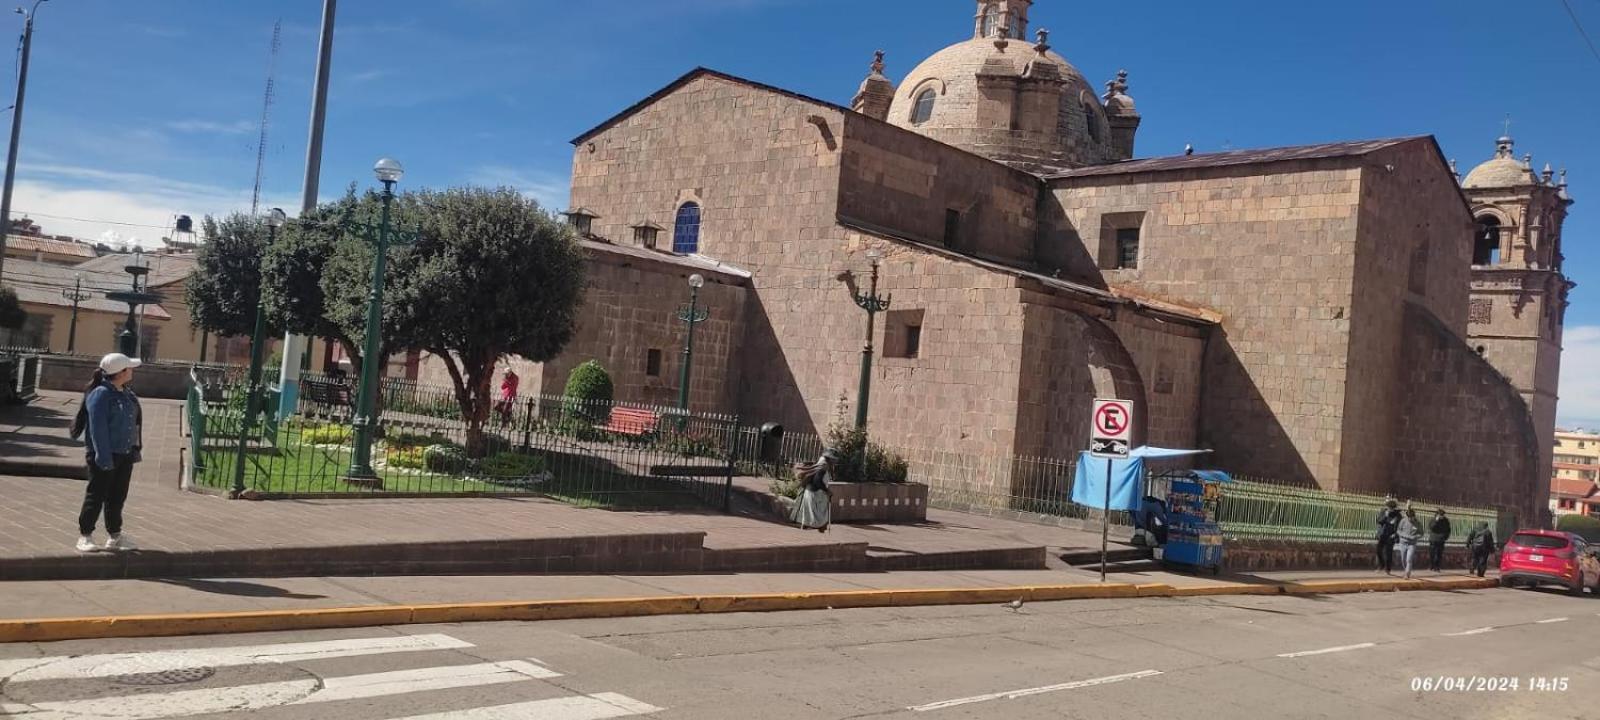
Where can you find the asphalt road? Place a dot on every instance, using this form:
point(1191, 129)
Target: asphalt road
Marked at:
point(1370, 656)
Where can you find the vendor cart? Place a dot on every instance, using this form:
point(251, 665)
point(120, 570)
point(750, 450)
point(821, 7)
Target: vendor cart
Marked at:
point(1193, 534)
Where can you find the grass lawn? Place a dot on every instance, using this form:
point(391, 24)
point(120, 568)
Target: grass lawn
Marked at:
point(584, 479)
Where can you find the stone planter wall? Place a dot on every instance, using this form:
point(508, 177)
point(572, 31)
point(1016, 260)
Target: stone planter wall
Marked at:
point(880, 502)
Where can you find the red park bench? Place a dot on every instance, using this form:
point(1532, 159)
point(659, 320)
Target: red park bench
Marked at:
point(631, 422)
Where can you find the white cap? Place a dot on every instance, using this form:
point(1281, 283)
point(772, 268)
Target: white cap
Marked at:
point(117, 362)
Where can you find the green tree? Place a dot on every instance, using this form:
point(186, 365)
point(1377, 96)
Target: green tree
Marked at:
point(589, 392)
point(1583, 525)
point(293, 268)
point(226, 285)
point(11, 314)
point(491, 275)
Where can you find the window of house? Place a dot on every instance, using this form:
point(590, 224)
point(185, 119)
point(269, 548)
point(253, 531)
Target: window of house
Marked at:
point(1120, 240)
point(645, 236)
point(1016, 27)
point(952, 227)
point(1486, 247)
point(1567, 504)
point(686, 230)
point(652, 362)
point(902, 333)
point(922, 110)
point(991, 20)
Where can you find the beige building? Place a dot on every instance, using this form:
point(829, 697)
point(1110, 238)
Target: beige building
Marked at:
point(1575, 479)
point(46, 291)
point(1305, 312)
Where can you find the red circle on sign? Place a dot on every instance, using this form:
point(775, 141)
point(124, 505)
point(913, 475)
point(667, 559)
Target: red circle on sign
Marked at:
point(1111, 419)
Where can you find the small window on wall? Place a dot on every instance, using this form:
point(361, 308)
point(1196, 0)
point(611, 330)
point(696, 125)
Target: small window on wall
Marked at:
point(902, 334)
point(652, 362)
point(952, 228)
point(686, 230)
point(1120, 240)
point(1486, 246)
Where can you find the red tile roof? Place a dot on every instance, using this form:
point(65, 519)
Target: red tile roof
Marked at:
point(1571, 487)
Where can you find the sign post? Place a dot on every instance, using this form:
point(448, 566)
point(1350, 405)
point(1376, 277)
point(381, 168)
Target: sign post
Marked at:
point(1110, 434)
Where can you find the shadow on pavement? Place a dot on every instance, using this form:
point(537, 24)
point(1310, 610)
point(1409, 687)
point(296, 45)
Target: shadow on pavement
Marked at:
point(238, 588)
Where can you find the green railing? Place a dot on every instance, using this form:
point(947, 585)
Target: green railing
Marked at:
point(1270, 511)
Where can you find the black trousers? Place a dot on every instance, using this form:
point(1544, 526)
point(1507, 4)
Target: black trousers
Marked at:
point(1480, 562)
point(1386, 554)
point(1436, 555)
point(108, 491)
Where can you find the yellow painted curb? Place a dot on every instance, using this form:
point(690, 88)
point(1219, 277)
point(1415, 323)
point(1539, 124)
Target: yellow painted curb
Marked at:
point(53, 629)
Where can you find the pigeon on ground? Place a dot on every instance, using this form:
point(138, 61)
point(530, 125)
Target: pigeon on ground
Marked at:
point(1014, 605)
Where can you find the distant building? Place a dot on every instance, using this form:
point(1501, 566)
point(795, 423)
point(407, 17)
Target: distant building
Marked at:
point(1575, 476)
point(27, 241)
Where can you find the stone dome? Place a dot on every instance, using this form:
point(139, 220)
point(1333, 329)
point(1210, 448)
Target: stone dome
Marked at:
point(1009, 100)
point(1503, 170)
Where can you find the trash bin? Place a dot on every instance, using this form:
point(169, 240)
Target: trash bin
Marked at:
point(771, 442)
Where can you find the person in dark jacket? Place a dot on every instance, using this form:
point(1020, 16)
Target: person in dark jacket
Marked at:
point(1480, 543)
point(112, 429)
point(1438, 535)
point(1388, 534)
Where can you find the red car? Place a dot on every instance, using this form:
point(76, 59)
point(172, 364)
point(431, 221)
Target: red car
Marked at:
point(1550, 557)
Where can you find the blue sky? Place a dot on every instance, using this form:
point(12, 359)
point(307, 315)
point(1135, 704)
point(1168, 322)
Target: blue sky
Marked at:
point(139, 111)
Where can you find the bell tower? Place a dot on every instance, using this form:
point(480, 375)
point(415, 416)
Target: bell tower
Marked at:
point(1518, 302)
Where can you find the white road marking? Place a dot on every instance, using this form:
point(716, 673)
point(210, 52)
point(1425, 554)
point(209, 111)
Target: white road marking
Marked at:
point(290, 692)
point(1014, 694)
point(1474, 631)
point(433, 678)
point(91, 666)
point(1551, 620)
point(598, 706)
point(1325, 651)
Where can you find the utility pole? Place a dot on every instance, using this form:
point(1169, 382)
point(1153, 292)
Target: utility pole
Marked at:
point(76, 295)
point(16, 129)
point(296, 346)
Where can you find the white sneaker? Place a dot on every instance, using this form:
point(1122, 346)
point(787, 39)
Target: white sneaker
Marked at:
point(121, 541)
point(86, 544)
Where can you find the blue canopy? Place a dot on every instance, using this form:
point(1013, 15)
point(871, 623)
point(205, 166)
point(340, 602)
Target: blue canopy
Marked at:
point(1127, 477)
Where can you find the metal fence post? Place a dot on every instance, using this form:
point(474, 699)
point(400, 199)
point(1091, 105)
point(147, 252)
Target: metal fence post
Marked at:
point(527, 425)
point(733, 459)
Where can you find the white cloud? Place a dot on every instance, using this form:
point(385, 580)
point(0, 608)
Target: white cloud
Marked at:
point(550, 189)
point(1580, 377)
point(117, 207)
point(368, 75)
point(238, 127)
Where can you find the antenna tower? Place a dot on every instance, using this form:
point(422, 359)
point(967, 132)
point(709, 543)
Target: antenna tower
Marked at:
point(266, 114)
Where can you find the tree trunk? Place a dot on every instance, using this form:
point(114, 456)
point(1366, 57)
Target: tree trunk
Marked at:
point(472, 379)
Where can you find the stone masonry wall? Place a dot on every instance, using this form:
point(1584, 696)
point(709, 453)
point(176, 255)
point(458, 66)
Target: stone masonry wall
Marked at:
point(1464, 434)
point(1414, 246)
point(1169, 358)
point(1272, 248)
point(1071, 359)
point(905, 183)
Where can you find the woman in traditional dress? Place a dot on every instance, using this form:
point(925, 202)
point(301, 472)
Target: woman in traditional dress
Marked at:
point(813, 509)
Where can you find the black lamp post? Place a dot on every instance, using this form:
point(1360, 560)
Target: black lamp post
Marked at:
point(873, 304)
point(691, 316)
point(388, 172)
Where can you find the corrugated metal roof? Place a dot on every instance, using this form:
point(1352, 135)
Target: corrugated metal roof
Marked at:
point(164, 268)
point(1236, 157)
point(699, 263)
point(42, 283)
point(29, 243)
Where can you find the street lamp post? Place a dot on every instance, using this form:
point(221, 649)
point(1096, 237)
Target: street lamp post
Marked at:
point(275, 219)
point(76, 295)
point(873, 304)
point(691, 316)
point(389, 172)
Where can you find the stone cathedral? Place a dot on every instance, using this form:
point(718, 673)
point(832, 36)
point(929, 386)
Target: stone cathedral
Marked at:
point(1345, 315)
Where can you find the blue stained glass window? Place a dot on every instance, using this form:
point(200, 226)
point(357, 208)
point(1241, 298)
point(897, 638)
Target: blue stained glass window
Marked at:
point(686, 231)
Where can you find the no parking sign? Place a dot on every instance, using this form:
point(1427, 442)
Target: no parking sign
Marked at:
point(1111, 428)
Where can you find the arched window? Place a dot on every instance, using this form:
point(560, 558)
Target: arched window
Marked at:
point(686, 231)
point(1016, 27)
point(1486, 246)
point(1091, 121)
point(991, 19)
point(922, 110)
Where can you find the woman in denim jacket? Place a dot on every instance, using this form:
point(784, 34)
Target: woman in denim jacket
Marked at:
point(112, 421)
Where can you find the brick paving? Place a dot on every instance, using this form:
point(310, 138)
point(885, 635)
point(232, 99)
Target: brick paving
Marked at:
point(37, 518)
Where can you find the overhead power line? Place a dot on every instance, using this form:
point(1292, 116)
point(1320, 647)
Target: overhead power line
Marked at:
point(1579, 25)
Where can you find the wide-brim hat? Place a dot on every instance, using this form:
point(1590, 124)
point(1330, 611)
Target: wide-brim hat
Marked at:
point(830, 454)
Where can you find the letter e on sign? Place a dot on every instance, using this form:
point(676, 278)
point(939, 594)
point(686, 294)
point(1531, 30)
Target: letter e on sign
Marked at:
point(1111, 428)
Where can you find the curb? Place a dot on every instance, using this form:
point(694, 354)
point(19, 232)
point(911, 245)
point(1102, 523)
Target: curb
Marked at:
point(127, 626)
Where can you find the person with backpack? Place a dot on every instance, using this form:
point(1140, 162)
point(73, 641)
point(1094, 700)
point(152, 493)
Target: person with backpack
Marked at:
point(1438, 535)
point(1388, 534)
point(813, 510)
point(110, 421)
point(1480, 543)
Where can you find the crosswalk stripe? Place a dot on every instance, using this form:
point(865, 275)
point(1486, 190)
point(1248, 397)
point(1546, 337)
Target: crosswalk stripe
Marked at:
point(599, 706)
point(290, 692)
point(90, 666)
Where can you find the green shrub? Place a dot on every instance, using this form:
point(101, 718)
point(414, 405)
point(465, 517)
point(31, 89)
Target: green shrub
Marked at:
point(406, 440)
point(1586, 527)
point(445, 458)
point(789, 488)
point(511, 465)
point(691, 444)
point(326, 435)
point(408, 457)
point(861, 460)
point(589, 393)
